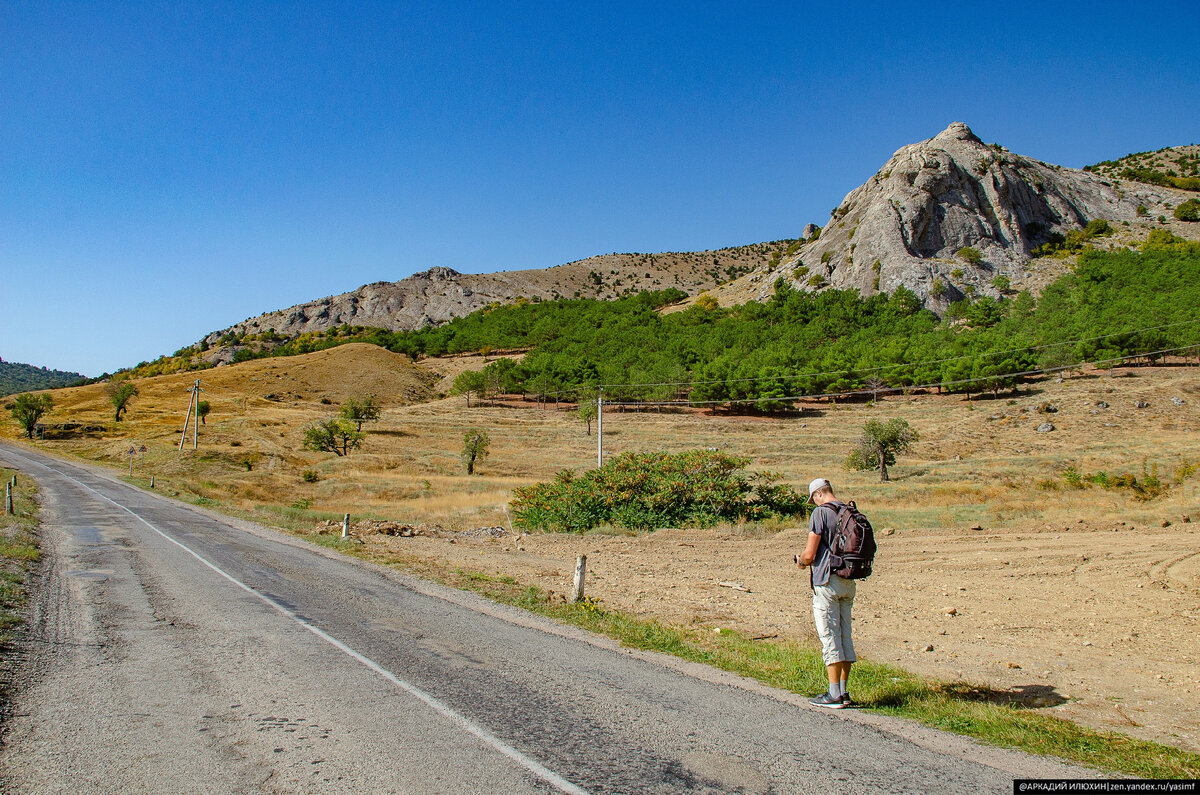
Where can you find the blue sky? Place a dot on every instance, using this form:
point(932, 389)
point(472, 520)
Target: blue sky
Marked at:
point(167, 169)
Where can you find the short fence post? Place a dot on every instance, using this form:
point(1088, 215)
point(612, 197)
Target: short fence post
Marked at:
point(8, 508)
point(151, 481)
point(346, 526)
point(580, 576)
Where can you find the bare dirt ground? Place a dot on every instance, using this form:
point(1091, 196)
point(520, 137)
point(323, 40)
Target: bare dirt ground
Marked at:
point(1077, 601)
point(1099, 623)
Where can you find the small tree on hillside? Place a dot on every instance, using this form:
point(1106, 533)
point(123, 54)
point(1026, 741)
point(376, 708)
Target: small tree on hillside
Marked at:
point(333, 436)
point(360, 410)
point(120, 392)
point(28, 409)
point(468, 382)
point(879, 444)
point(585, 410)
point(475, 446)
point(1188, 210)
point(970, 254)
point(874, 385)
point(202, 409)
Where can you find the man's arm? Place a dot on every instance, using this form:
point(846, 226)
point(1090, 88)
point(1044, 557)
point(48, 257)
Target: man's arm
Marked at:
point(810, 551)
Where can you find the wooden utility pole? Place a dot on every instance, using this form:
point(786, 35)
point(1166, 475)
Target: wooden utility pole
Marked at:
point(186, 419)
point(193, 406)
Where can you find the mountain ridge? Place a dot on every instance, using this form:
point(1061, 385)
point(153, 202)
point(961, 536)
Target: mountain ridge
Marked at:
point(436, 295)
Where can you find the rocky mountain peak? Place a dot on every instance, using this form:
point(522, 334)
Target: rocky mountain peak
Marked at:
point(957, 131)
point(944, 217)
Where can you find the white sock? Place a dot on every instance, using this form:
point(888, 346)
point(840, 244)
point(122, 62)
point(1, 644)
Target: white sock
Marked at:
point(835, 689)
point(843, 688)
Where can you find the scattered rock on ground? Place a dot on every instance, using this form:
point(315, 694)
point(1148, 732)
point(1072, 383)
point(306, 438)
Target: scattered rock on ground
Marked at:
point(1045, 427)
point(1178, 401)
point(485, 532)
point(1141, 404)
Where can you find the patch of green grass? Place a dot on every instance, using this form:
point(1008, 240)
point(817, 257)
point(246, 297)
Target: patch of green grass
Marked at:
point(334, 541)
point(18, 551)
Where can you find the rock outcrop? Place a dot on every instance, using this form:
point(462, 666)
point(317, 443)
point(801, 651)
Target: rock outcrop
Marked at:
point(439, 294)
point(908, 225)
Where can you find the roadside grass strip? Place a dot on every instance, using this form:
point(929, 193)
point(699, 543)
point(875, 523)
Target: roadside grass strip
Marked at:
point(957, 707)
point(18, 552)
point(992, 717)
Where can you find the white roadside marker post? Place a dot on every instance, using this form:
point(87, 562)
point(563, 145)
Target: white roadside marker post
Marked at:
point(580, 575)
point(346, 526)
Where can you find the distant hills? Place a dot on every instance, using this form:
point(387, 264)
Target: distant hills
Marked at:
point(16, 378)
point(1172, 167)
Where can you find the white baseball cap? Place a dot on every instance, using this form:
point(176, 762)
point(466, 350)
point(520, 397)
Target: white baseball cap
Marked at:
point(817, 485)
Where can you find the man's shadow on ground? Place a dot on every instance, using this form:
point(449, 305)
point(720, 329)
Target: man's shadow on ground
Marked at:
point(1031, 696)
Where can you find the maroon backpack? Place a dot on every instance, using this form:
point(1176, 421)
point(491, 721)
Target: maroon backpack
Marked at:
point(852, 550)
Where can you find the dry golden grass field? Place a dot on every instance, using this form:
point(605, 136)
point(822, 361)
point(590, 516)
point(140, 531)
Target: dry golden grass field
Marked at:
point(1081, 601)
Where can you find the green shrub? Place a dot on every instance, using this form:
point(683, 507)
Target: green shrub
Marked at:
point(969, 254)
point(1147, 488)
point(1074, 241)
point(645, 491)
point(816, 280)
point(1188, 211)
point(938, 288)
point(828, 255)
point(310, 476)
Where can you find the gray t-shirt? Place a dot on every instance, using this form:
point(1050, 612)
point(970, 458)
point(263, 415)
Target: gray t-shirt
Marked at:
point(823, 521)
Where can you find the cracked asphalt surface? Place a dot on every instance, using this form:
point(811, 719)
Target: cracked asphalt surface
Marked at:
point(173, 650)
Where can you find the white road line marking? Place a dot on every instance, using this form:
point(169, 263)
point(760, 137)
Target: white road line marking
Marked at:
point(534, 767)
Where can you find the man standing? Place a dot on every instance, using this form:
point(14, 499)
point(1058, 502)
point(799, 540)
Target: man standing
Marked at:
point(833, 596)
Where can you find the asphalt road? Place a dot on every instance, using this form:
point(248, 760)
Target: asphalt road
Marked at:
point(177, 651)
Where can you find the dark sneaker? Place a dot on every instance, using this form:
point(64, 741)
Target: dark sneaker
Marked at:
point(827, 701)
point(846, 702)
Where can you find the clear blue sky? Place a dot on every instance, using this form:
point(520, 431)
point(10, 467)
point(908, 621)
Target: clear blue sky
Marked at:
point(170, 168)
